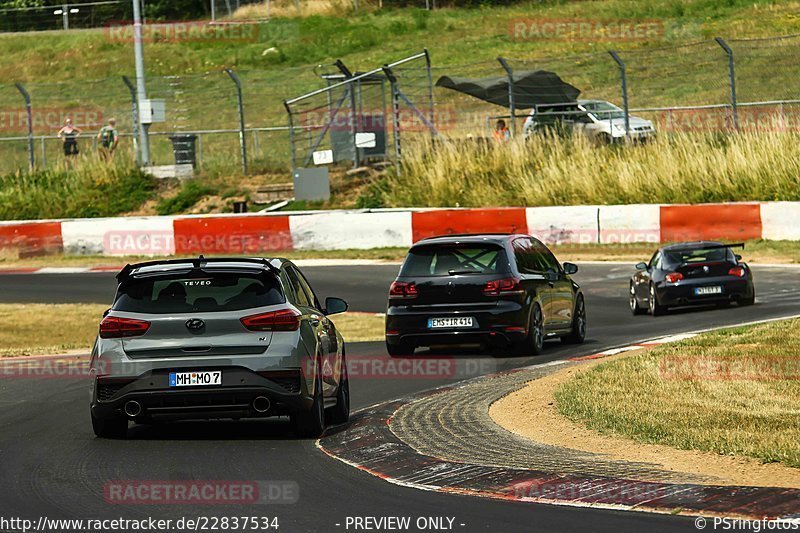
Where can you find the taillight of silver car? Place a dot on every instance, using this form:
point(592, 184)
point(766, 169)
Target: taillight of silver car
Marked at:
point(115, 327)
point(281, 320)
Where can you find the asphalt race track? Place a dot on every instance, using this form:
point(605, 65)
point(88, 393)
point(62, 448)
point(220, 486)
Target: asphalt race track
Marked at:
point(51, 465)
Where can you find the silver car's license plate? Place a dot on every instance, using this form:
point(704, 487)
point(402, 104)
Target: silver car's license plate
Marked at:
point(195, 379)
point(701, 291)
point(450, 322)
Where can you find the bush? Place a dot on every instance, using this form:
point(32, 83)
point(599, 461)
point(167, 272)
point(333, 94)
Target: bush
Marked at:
point(93, 189)
point(191, 192)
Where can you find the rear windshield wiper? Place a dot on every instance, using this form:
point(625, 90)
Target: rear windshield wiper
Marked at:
point(453, 272)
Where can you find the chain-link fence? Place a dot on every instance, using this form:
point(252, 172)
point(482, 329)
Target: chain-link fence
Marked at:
point(714, 85)
point(362, 116)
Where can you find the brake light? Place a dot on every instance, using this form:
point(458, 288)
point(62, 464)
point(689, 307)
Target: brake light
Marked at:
point(402, 289)
point(115, 327)
point(497, 286)
point(674, 277)
point(282, 320)
point(736, 271)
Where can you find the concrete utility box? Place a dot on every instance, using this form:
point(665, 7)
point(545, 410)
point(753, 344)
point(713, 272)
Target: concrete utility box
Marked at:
point(311, 183)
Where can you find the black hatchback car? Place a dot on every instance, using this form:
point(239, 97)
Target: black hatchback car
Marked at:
point(493, 290)
point(691, 273)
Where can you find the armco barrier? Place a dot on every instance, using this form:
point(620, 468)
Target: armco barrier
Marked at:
point(257, 233)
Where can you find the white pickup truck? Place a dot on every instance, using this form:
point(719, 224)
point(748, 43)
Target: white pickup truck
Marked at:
point(598, 119)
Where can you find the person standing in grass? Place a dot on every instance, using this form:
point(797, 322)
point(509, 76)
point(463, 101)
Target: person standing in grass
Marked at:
point(501, 133)
point(69, 135)
point(109, 139)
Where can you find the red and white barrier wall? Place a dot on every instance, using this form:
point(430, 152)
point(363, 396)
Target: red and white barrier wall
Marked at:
point(330, 230)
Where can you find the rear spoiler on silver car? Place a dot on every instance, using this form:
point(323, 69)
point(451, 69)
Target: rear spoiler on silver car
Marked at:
point(197, 264)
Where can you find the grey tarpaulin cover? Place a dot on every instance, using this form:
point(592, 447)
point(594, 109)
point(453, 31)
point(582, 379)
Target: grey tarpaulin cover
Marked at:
point(531, 88)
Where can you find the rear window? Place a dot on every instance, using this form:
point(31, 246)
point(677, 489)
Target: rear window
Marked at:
point(218, 292)
point(446, 260)
point(699, 255)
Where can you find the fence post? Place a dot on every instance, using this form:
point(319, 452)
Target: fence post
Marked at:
point(135, 115)
point(355, 122)
point(395, 112)
point(732, 80)
point(430, 91)
point(512, 106)
point(624, 79)
point(242, 139)
point(29, 111)
point(65, 16)
point(213, 10)
point(291, 135)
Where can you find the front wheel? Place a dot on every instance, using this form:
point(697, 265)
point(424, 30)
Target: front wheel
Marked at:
point(636, 309)
point(110, 428)
point(340, 413)
point(578, 333)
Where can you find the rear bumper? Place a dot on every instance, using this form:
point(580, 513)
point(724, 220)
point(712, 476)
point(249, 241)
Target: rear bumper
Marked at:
point(502, 323)
point(683, 292)
point(233, 399)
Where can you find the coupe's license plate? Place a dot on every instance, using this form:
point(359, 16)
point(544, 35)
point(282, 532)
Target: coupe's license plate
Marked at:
point(450, 322)
point(701, 291)
point(195, 379)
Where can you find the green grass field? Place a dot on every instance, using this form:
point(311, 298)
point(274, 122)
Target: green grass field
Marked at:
point(733, 392)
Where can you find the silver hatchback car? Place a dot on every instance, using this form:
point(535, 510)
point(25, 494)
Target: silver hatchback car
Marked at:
point(218, 338)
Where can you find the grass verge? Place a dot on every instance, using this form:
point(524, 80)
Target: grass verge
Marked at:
point(732, 392)
point(21, 331)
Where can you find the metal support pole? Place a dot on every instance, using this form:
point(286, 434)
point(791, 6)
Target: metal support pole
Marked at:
point(213, 10)
point(395, 111)
point(624, 78)
point(291, 135)
point(141, 92)
point(355, 119)
point(512, 107)
point(242, 139)
point(44, 152)
point(430, 90)
point(65, 16)
point(732, 80)
point(135, 116)
point(29, 112)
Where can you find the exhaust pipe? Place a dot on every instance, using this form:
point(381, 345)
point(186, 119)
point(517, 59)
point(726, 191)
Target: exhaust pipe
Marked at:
point(133, 408)
point(261, 404)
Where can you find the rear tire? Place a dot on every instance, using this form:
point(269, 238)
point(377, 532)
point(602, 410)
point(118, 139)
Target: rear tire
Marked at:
point(340, 413)
point(636, 309)
point(656, 308)
point(578, 333)
point(748, 301)
point(310, 424)
point(534, 342)
point(399, 350)
point(110, 428)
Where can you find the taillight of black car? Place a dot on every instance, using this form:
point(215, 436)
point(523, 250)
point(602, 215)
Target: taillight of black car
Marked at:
point(496, 287)
point(738, 271)
point(403, 290)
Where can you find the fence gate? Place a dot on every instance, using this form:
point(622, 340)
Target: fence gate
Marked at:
point(361, 117)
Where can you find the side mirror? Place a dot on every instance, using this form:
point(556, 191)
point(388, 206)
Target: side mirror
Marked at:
point(738, 257)
point(334, 306)
point(641, 266)
point(570, 268)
